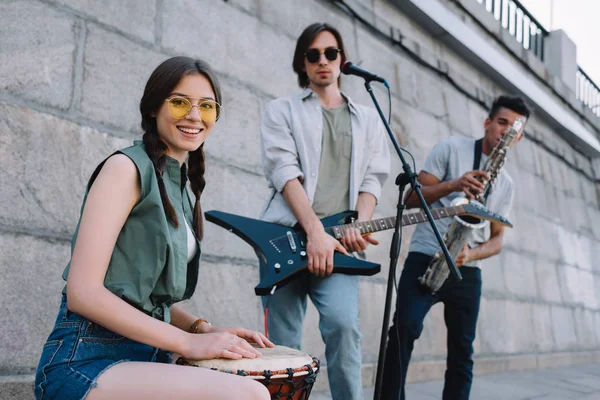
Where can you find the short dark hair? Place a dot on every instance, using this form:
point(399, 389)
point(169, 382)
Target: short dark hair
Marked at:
point(514, 103)
point(305, 40)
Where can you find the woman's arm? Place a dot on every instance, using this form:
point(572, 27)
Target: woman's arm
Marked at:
point(184, 320)
point(113, 194)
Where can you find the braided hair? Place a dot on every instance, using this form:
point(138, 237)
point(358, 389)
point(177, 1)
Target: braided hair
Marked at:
point(159, 86)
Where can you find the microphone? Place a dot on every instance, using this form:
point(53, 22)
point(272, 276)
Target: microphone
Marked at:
point(350, 69)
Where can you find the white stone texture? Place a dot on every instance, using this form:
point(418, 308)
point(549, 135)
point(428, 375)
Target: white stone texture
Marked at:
point(547, 281)
point(520, 320)
point(525, 155)
point(588, 290)
point(45, 164)
point(542, 327)
point(525, 192)
point(578, 214)
point(375, 56)
point(495, 332)
point(31, 283)
point(575, 285)
point(583, 162)
point(588, 190)
point(595, 168)
point(563, 326)
point(407, 80)
point(564, 211)
point(546, 169)
point(597, 327)
point(493, 271)
point(567, 241)
point(239, 124)
point(37, 58)
point(225, 295)
point(596, 257)
point(584, 324)
point(548, 197)
point(572, 284)
point(114, 76)
point(410, 29)
point(519, 273)
point(429, 97)
point(235, 50)
point(548, 242)
point(292, 17)
point(594, 218)
point(120, 15)
point(456, 105)
point(506, 326)
point(527, 231)
point(250, 6)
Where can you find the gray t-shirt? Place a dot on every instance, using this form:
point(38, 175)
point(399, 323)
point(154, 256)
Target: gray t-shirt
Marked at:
point(449, 160)
point(332, 194)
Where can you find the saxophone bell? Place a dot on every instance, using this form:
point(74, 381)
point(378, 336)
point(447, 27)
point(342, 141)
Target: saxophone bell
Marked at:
point(469, 220)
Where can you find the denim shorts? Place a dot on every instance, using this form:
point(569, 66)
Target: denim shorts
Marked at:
point(78, 351)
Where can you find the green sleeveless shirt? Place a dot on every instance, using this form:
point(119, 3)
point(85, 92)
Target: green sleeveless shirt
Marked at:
point(148, 268)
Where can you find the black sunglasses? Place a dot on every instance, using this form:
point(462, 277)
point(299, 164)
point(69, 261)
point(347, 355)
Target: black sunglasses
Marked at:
point(314, 55)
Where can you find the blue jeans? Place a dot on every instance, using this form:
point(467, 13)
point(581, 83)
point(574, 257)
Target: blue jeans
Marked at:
point(78, 351)
point(461, 308)
point(336, 299)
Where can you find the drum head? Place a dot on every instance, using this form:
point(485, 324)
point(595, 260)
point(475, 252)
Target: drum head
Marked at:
point(272, 359)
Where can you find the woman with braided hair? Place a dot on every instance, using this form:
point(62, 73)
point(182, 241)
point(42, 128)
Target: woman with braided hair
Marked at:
point(135, 254)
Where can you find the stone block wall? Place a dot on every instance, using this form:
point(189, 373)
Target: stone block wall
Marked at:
point(71, 76)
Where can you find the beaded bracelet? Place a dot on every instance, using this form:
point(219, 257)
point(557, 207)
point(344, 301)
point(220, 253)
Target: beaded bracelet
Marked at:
point(195, 328)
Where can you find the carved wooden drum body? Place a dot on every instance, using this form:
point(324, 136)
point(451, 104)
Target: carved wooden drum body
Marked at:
point(287, 373)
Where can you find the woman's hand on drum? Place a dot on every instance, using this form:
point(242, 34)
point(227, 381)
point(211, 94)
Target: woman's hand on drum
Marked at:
point(207, 346)
point(251, 336)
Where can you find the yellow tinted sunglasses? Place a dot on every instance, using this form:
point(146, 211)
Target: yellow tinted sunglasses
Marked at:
point(180, 107)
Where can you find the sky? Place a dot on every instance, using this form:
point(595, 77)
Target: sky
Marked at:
point(579, 20)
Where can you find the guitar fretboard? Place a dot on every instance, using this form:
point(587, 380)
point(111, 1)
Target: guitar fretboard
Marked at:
point(382, 224)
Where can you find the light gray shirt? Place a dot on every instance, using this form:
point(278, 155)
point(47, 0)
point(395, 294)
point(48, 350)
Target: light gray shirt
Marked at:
point(291, 136)
point(333, 185)
point(449, 160)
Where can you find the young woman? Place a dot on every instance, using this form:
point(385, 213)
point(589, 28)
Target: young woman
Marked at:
point(136, 253)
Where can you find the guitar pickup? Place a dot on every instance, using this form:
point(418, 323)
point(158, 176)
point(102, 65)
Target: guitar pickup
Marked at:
point(292, 241)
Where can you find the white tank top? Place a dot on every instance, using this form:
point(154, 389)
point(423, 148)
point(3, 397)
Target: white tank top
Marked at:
point(192, 245)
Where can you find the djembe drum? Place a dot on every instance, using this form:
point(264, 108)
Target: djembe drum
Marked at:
point(287, 373)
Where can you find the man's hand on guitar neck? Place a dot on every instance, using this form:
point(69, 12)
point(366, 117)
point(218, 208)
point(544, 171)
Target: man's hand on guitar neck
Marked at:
point(320, 248)
point(354, 241)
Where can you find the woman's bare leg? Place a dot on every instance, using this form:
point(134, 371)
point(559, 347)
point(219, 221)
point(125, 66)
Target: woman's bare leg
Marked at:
point(144, 380)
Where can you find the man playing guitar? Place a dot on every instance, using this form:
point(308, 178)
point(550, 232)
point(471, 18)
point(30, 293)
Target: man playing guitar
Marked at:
point(322, 154)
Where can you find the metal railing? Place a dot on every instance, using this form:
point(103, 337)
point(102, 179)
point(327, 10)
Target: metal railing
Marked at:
point(523, 26)
point(519, 23)
point(587, 91)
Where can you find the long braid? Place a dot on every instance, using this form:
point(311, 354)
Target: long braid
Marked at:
point(156, 150)
point(196, 167)
point(158, 88)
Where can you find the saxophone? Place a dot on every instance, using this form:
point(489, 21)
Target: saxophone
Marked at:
point(461, 228)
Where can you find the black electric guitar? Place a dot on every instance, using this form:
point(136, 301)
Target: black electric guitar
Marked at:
point(281, 250)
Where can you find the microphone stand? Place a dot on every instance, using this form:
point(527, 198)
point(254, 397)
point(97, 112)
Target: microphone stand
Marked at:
point(402, 180)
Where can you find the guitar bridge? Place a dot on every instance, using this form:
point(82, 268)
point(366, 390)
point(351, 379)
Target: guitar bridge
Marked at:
point(292, 241)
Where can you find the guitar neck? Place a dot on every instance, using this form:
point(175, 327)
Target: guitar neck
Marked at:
point(382, 224)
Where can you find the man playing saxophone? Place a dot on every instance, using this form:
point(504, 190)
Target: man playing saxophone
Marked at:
point(453, 169)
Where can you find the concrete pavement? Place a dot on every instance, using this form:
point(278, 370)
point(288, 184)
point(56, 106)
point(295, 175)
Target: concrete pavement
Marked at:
point(578, 382)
